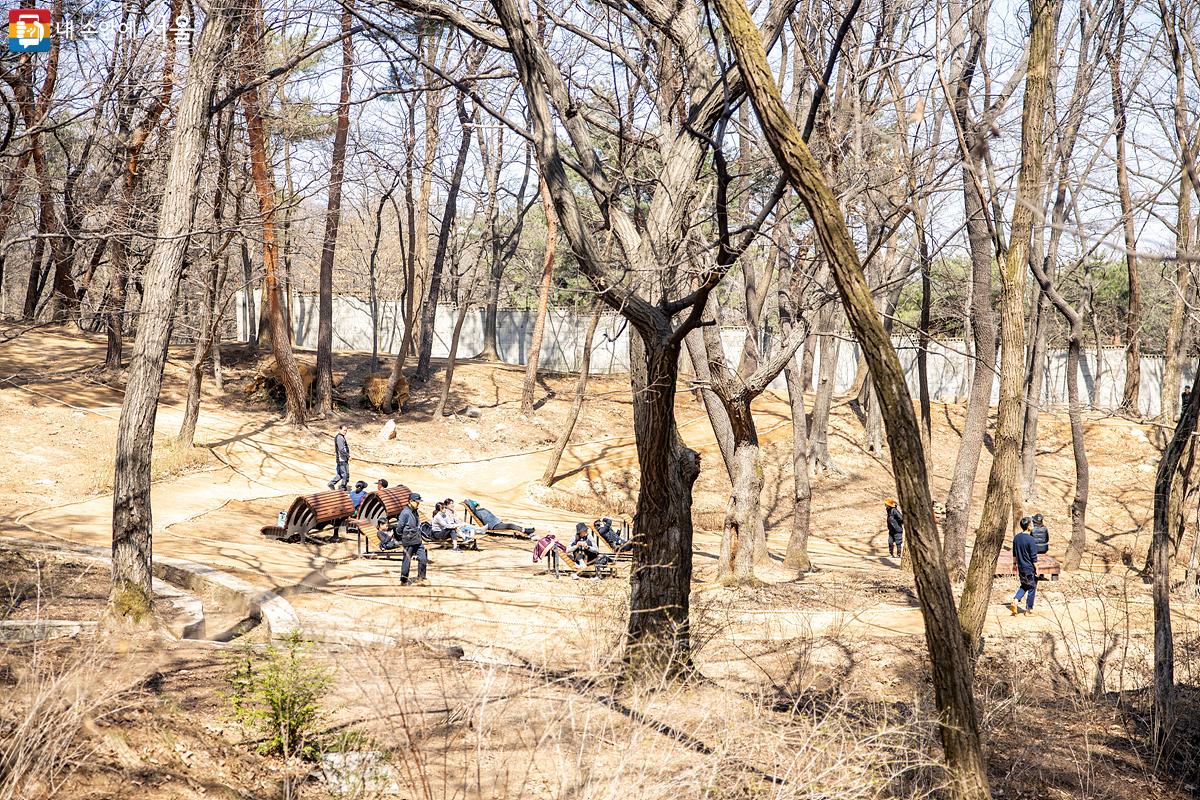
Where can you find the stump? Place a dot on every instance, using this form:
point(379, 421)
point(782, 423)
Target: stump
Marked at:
point(375, 391)
point(268, 384)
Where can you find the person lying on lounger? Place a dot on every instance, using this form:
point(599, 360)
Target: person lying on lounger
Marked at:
point(490, 522)
point(604, 528)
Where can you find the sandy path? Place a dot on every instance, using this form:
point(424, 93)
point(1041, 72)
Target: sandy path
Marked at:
point(495, 600)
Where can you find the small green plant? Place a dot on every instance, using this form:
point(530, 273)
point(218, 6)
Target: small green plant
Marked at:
point(278, 693)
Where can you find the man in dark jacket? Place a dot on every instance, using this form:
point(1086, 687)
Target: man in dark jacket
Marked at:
point(1041, 534)
point(408, 532)
point(1025, 554)
point(341, 451)
point(895, 526)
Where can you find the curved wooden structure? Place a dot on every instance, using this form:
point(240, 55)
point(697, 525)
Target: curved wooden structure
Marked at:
point(384, 504)
point(312, 512)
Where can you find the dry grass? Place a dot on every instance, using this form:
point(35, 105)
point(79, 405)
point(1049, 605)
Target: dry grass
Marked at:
point(48, 720)
point(169, 459)
point(496, 725)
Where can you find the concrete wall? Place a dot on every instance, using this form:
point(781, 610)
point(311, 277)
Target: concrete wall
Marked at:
point(949, 361)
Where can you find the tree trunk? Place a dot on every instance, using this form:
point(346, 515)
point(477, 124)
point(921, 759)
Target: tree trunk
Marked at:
point(818, 426)
point(718, 417)
point(123, 216)
point(1177, 331)
point(463, 308)
point(874, 425)
point(585, 363)
point(794, 320)
point(1079, 451)
point(1191, 582)
point(373, 281)
point(539, 323)
point(210, 319)
point(1165, 517)
point(429, 310)
point(952, 672)
point(1131, 394)
point(264, 185)
point(659, 633)
point(333, 218)
point(1034, 389)
point(926, 260)
point(132, 593)
point(983, 335)
point(743, 539)
point(796, 557)
point(33, 288)
point(1001, 496)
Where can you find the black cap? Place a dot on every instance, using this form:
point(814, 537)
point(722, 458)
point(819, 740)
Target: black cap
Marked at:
point(1037, 519)
point(415, 497)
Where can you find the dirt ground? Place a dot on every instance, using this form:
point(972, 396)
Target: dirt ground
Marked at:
point(781, 660)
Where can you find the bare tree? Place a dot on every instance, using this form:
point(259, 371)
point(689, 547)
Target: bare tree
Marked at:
point(264, 185)
point(211, 315)
point(132, 593)
point(952, 671)
point(333, 217)
point(972, 142)
point(1001, 499)
point(124, 215)
point(1131, 394)
point(585, 365)
point(429, 309)
point(539, 322)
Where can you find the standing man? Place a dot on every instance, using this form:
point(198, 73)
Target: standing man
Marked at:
point(341, 451)
point(1041, 534)
point(1025, 553)
point(895, 527)
point(408, 531)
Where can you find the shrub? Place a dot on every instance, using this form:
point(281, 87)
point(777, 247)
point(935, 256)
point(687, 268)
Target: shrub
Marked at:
point(278, 694)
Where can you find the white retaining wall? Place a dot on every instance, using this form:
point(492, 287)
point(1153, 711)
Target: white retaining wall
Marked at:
point(949, 361)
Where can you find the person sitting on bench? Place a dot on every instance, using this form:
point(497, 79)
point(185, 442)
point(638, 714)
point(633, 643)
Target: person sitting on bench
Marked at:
point(356, 496)
point(387, 539)
point(584, 549)
point(445, 520)
point(491, 522)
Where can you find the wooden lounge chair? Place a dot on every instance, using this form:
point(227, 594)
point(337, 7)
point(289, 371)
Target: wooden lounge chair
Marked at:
point(600, 568)
point(471, 513)
point(625, 552)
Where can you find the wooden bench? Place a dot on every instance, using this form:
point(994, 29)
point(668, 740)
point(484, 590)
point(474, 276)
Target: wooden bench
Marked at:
point(1047, 566)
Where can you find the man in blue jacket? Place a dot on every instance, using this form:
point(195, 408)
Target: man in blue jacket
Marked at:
point(1025, 551)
